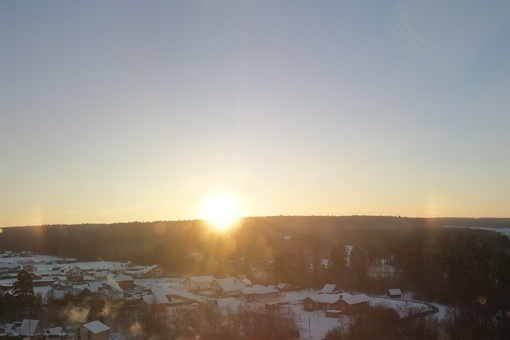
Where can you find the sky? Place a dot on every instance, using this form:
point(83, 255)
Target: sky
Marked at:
point(117, 111)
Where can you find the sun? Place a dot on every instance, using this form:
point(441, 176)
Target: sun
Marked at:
point(221, 210)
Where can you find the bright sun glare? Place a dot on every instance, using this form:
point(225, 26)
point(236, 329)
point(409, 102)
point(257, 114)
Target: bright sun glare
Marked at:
point(221, 210)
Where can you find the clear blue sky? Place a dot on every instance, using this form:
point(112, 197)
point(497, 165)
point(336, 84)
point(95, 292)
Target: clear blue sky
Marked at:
point(122, 110)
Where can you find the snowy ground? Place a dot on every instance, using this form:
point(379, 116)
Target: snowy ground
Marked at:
point(443, 310)
point(315, 325)
point(403, 307)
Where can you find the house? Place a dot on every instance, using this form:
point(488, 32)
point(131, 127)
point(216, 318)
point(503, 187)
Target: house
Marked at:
point(157, 300)
point(309, 304)
point(331, 289)
point(394, 293)
point(94, 330)
point(75, 274)
point(100, 276)
point(352, 304)
point(151, 272)
point(199, 283)
point(11, 330)
point(125, 282)
point(91, 289)
point(117, 269)
point(286, 287)
point(29, 267)
point(31, 329)
point(344, 302)
point(260, 293)
point(55, 333)
point(227, 287)
point(323, 302)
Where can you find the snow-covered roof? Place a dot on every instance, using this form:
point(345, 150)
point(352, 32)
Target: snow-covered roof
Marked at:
point(93, 266)
point(181, 294)
point(28, 327)
point(259, 289)
point(96, 327)
point(100, 274)
point(354, 299)
point(282, 285)
point(56, 331)
point(328, 298)
point(155, 299)
point(58, 294)
point(8, 265)
point(394, 291)
point(123, 278)
point(93, 287)
point(202, 279)
point(329, 288)
point(145, 270)
point(230, 284)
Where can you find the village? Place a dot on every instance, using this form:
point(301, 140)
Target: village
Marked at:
point(310, 313)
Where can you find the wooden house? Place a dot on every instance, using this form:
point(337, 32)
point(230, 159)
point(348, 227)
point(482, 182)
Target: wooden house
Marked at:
point(31, 329)
point(94, 330)
point(75, 274)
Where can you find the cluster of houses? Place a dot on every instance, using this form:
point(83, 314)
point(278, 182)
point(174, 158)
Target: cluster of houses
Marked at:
point(56, 278)
point(31, 329)
point(334, 301)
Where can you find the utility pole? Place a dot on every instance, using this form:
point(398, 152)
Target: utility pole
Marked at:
point(310, 328)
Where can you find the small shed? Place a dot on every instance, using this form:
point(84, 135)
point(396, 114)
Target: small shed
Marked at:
point(394, 293)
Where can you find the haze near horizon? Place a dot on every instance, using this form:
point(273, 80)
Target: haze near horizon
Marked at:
point(133, 111)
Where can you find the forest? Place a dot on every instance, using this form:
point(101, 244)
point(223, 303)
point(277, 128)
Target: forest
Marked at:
point(446, 260)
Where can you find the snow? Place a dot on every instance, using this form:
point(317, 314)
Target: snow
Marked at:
point(230, 284)
point(404, 308)
point(296, 296)
point(55, 331)
point(394, 292)
point(329, 288)
point(96, 327)
point(123, 278)
point(155, 299)
point(443, 311)
point(28, 327)
point(327, 298)
point(314, 325)
point(259, 289)
point(354, 299)
point(202, 279)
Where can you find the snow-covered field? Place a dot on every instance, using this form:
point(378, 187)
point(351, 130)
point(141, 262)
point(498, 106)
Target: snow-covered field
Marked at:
point(315, 323)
